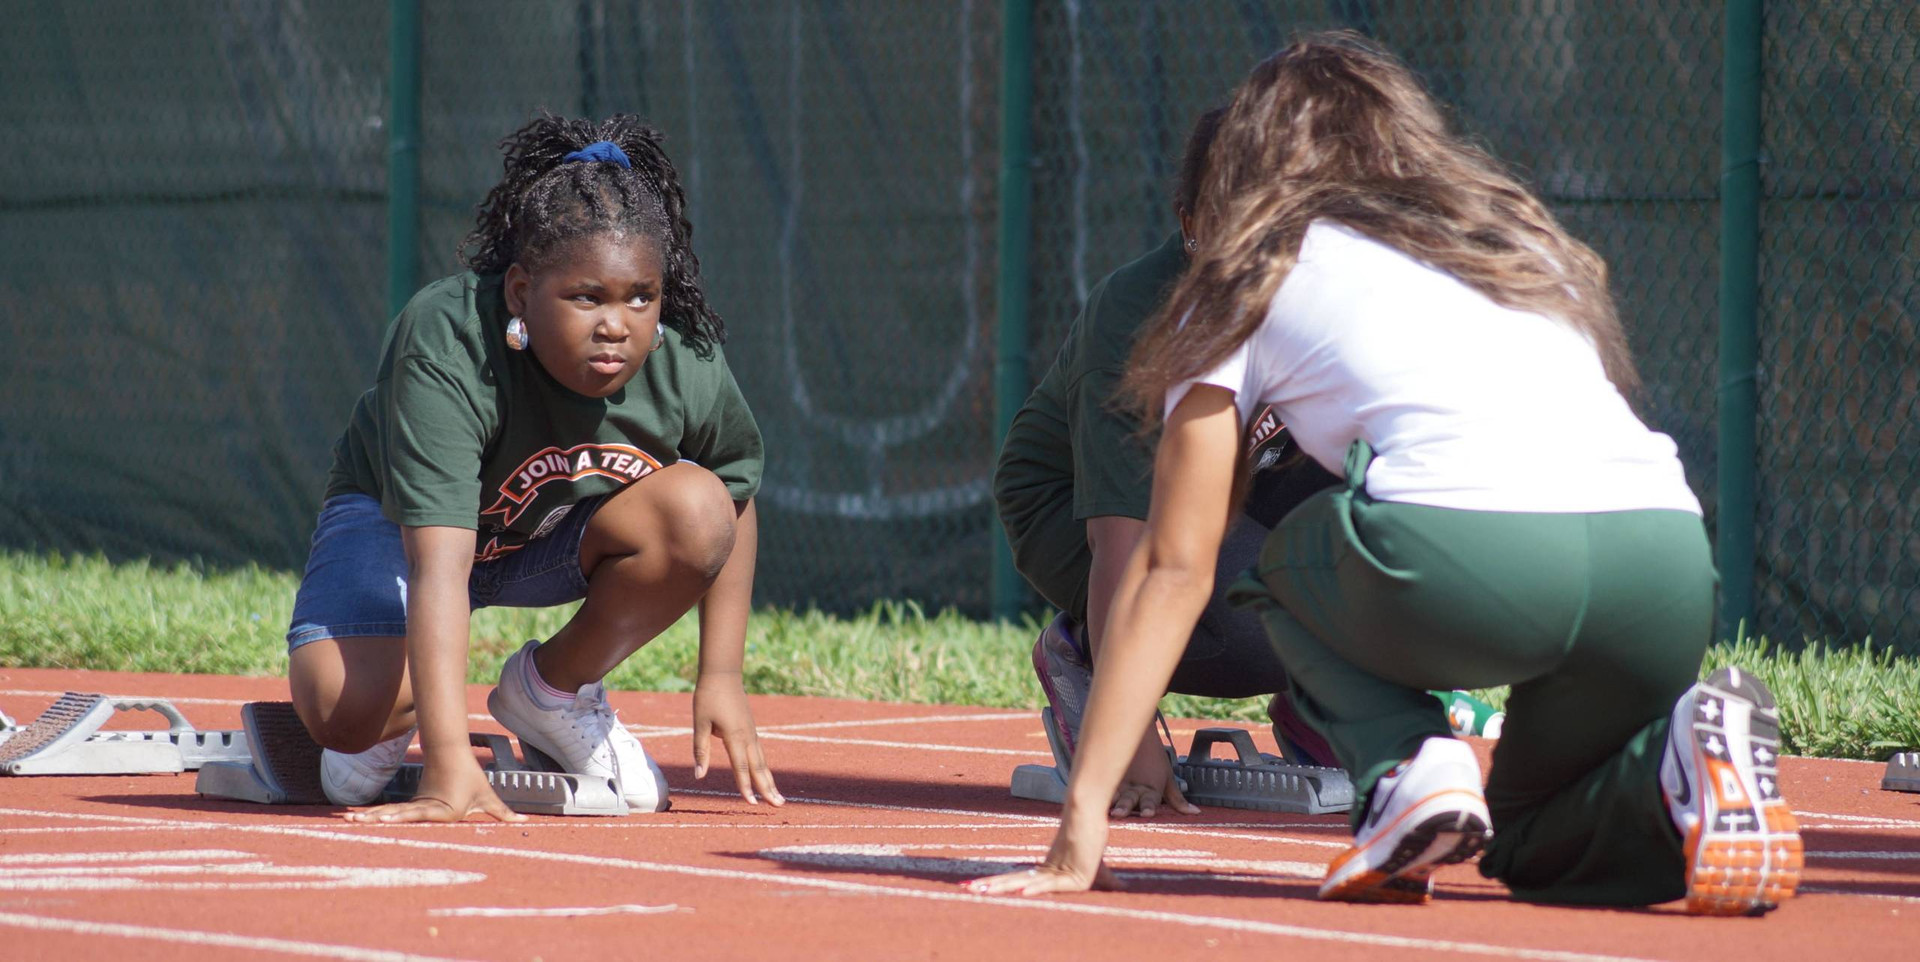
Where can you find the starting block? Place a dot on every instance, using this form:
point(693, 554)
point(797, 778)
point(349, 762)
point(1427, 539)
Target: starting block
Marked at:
point(1257, 781)
point(1903, 773)
point(1252, 781)
point(284, 769)
point(66, 740)
point(1044, 783)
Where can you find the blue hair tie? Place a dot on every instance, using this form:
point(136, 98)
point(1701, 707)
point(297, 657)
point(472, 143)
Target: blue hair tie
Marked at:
point(604, 151)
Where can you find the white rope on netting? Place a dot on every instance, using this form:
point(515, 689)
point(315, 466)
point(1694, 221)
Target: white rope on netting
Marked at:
point(874, 436)
point(1082, 163)
point(693, 105)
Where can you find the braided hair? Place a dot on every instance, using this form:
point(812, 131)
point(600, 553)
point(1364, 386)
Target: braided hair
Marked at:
point(542, 204)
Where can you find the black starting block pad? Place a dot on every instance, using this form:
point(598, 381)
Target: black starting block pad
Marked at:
point(66, 740)
point(1253, 781)
point(285, 770)
point(1259, 782)
point(1903, 773)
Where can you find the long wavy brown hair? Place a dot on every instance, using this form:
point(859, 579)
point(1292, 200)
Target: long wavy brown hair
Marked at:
point(1334, 127)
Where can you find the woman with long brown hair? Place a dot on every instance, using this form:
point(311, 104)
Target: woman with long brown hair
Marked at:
point(1426, 327)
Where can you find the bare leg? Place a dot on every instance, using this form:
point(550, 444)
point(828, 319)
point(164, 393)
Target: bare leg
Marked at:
point(648, 554)
point(352, 693)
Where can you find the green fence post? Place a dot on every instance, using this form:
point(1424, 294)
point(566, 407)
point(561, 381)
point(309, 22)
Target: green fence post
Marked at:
point(1739, 309)
point(1015, 241)
point(403, 151)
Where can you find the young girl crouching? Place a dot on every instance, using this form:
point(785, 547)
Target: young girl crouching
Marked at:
point(557, 424)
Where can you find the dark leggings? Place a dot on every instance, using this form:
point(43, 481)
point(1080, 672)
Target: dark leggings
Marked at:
point(1229, 655)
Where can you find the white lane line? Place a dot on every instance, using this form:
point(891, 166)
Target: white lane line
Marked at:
point(789, 880)
point(772, 733)
point(217, 939)
point(224, 877)
point(910, 720)
point(893, 859)
point(163, 869)
point(1121, 852)
point(636, 824)
point(35, 693)
point(1115, 825)
point(885, 807)
point(477, 912)
point(1883, 896)
point(82, 829)
point(231, 702)
point(642, 729)
point(1868, 821)
point(95, 858)
point(1867, 856)
point(766, 735)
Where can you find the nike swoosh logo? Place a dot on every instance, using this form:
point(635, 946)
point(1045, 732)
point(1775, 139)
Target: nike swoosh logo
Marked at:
point(1685, 795)
point(1379, 804)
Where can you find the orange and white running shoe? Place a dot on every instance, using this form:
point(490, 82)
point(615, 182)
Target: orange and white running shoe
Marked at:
point(1721, 779)
point(1427, 812)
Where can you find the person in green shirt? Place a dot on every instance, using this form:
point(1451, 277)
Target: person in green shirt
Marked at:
point(1072, 487)
point(557, 424)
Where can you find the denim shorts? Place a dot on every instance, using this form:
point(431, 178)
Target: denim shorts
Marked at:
point(356, 579)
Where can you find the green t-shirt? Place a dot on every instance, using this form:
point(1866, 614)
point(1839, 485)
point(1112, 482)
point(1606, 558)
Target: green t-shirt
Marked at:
point(459, 430)
point(1069, 455)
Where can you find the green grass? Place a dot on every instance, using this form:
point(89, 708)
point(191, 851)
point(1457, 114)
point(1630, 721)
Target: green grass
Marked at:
point(83, 612)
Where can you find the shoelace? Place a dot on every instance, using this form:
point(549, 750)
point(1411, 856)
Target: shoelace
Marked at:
point(591, 712)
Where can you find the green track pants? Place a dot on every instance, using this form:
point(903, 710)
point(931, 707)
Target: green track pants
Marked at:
point(1598, 621)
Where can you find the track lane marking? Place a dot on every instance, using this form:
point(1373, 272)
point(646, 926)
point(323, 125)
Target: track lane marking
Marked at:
point(96, 858)
point(1226, 923)
point(911, 746)
point(505, 912)
point(1863, 821)
point(252, 943)
point(1885, 856)
point(1882, 896)
point(909, 720)
point(1114, 825)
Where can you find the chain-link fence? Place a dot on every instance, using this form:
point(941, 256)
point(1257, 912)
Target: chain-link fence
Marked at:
point(194, 205)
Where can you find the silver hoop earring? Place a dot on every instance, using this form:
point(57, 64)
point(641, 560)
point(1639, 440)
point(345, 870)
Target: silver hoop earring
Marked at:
point(517, 334)
point(659, 337)
point(1193, 244)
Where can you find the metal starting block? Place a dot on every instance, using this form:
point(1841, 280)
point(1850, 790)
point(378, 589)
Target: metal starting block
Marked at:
point(285, 770)
point(66, 740)
point(1903, 773)
point(1044, 783)
point(1253, 781)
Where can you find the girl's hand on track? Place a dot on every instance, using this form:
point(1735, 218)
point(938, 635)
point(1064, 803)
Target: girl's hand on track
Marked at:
point(449, 792)
point(720, 707)
point(1148, 783)
point(1072, 865)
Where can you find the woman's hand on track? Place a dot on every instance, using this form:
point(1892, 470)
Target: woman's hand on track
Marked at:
point(720, 707)
point(449, 792)
point(1072, 865)
point(1149, 782)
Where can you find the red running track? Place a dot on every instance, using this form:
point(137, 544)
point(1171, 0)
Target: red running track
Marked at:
point(890, 805)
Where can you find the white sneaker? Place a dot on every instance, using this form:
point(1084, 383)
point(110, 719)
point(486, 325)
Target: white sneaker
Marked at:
point(1427, 812)
point(360, 778)
point(585, 737)
point(1721, 777)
